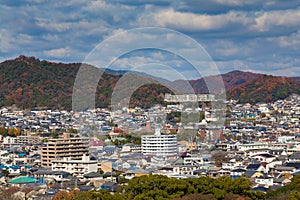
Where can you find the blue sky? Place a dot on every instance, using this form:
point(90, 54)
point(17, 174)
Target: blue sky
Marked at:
point(255, 35)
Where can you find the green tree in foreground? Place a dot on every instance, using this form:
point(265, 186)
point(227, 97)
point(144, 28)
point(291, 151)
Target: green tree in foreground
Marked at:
point(163, 188)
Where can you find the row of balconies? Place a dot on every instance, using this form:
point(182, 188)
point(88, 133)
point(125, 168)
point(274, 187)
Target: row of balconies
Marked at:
point(160, 150)
point(174, 141)
point(160, 146)
point(159, 143)
point(65, 149)
point(67, 165)
point(158, 138)
point(67, 142)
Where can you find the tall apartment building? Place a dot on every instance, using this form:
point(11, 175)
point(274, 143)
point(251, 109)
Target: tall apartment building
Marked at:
point(160, 145)
point(65, 147)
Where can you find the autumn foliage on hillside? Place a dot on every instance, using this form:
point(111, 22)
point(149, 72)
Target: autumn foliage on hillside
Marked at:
point(229, 80)
point(265, 88)
point(28, 82)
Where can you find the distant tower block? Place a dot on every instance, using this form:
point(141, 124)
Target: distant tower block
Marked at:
point(189, 98)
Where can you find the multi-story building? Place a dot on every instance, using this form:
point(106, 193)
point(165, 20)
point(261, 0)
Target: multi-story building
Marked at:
point(28, 140)
point(9, 140)
point(76, 167)
point(160, 145)
point(251, 146)
point(60, 148)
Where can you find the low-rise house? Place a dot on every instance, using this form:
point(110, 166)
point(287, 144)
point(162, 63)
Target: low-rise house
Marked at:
point(184, 169)
point(228, 165)
point(296, 165)
point(264, 180)
point(51, 175)
point(264, 158)
point(284, 169)
point(256, 167)
point(193, 160)
point(110, 186)
point(224, 172)
point(130, 147)
point(95, 178)
point(282, 181)
point(295, 157)
point(167, 171)
point(253, 173)
point(236, 173)
point(213, 172)
point(129, 174)
point(252, 152)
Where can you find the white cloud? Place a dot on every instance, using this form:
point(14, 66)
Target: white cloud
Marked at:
point(268, 21)
point(191, 21)
point(55, 27)
point(96, 5)
point(292, 41)
point(6, 40)
point(233, 2)
point(58, 53)
point(226, 48)
point(238, 34)
point(240, 21)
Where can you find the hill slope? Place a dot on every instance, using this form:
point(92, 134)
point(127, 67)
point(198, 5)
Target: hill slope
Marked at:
point(28, 82)
point(265, 88)
point(230, 80)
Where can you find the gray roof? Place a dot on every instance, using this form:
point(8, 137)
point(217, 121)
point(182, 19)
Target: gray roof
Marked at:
point(295, 155)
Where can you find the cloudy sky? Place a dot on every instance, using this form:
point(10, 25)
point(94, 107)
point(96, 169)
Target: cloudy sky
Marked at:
point(255, 35)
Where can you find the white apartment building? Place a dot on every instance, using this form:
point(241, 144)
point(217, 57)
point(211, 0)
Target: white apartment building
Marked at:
point(76, 167)
point(9, 140)
point(159, 145)
point(251, 146)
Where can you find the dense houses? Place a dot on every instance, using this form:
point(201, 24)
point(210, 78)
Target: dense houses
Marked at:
point(101, 149)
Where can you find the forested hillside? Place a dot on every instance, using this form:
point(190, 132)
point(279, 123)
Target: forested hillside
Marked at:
point(28, 82)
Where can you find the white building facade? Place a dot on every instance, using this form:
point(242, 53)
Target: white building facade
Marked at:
point(160, 145)
point(76, 167)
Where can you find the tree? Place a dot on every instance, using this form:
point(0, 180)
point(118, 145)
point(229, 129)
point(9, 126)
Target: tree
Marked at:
point(61, 195)
point(5, 173)
point(99, 195)
point(295, 195)
point(55, 135)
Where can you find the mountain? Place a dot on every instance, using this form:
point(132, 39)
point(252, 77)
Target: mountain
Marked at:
point(297, 79)
point(122, 72)
point(265, 88)
point(230, 80)
point(236, 78)
point(28, 82)
point(244, 86)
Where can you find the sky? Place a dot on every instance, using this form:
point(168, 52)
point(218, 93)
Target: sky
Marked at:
point(250, 35)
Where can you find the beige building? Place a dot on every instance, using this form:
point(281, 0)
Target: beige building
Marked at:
point(76, 167)
point(28, 140)
point(65, 147)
